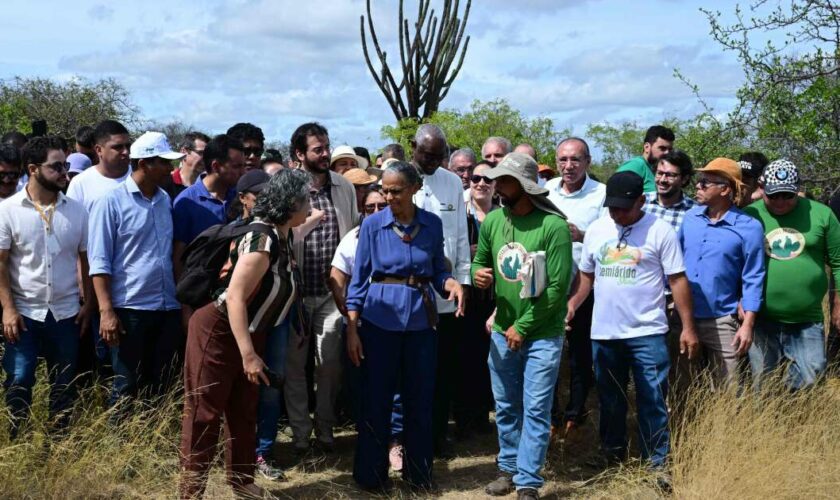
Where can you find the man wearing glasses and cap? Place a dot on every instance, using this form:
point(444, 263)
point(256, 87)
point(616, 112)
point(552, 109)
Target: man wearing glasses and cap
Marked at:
point(527, 338)
point(801, 238)
point(626, 257)
point(724, 261)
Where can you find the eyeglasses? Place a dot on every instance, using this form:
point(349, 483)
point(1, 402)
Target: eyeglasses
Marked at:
point(574, 160)
point(9, 176)
point(58, 166)
point(782, 196)
point(199, 153)
point(478, 178)
point(374, 207)
point(463, 170)
point(667, 175)
point(622, 240)
point(705, 183)
point(252, 152)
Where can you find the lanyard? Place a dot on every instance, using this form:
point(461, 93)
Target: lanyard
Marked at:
point(43, 211)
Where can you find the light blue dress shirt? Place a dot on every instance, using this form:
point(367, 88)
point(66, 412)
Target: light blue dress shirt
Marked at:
point(130, 239)
point(724, 262)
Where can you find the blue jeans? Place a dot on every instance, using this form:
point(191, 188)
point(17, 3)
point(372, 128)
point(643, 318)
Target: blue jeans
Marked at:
point(391, 356)
point(58, 343)
point(268, 411)
point(147, 360)
point(647, 357)
point(523, 386)
point(802, 344)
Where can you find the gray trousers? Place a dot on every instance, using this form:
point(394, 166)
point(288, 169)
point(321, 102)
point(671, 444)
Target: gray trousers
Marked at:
point(325, 324)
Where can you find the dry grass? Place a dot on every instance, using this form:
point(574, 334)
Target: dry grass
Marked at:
point(768, 445)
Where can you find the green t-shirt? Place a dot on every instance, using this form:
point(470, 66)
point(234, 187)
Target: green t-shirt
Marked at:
point(640, 166)
point(503, 243)
point(798, 245)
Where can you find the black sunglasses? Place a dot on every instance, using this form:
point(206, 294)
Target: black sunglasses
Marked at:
point(9, 176)
point(252, 151)
point(622, 240)
point(370, 207)
point(58, 166)
point(478, 178)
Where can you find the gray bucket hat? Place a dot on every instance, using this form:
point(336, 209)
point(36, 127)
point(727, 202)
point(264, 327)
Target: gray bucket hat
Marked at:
point(524, 169)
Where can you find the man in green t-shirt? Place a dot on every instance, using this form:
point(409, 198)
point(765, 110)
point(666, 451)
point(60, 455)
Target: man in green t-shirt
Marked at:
point(527, 332)
point(801, 238)
point(659, 141)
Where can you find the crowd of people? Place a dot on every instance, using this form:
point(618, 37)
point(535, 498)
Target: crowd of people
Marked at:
point(402, 292)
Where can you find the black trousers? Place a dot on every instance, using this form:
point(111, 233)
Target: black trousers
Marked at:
point(473, 398)
point(448, 329)
point(581, 377)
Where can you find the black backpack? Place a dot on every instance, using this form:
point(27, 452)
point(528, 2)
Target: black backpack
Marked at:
point(207, 253)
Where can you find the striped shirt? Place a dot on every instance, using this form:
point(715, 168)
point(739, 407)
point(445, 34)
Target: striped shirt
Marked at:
point(674, 214)
point(269, 304)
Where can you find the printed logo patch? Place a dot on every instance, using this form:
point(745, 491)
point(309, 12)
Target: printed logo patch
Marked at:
point(784, 243)
point(619, 265)
point(510, 259)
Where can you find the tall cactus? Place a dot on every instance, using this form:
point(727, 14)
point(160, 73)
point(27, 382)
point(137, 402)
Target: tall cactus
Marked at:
point(427, 56)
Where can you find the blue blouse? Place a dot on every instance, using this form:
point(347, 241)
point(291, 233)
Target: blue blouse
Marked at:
point(381, 252)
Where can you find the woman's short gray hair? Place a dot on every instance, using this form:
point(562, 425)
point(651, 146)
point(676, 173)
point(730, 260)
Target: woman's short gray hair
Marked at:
point(285, 193)
point(407, 171)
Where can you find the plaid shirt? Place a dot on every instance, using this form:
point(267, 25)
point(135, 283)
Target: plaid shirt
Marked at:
point(319, 246)
point(674, 214)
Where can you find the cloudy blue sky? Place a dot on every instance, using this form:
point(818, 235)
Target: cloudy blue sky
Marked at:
point(277, 63)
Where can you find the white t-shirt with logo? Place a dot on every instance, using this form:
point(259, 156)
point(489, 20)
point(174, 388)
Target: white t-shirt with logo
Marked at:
point(630, 280)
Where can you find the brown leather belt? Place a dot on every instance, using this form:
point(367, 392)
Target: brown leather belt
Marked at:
point(419, 283)
point(412, 281)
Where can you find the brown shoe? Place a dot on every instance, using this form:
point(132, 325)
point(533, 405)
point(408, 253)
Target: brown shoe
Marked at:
point(501, 486)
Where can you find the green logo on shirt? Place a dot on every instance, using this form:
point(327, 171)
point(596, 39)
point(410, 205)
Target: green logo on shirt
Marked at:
point(784, 243)
point(619, 264)
point(509, 260)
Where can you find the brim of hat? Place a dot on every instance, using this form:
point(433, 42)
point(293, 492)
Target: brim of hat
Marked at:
point(721, 173)
point(542, 202)
point(256, 188)
point(360, 162)
point(528, 185)
point(374, 171)
point(781, 188)
point(367, 182)
point(616, 202)
point(172, 155)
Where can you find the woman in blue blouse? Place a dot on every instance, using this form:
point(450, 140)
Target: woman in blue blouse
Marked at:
point(398, 259)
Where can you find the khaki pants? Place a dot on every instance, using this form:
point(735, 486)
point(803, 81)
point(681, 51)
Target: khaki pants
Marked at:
point(719, 356)
point(324, 320)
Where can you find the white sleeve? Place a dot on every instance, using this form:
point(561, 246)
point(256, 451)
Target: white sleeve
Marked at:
point(587, 264)
point(461, 271)
point(670, 254)
point(346, 250)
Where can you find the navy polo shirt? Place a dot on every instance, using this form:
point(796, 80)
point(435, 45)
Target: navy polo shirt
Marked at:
point(195, 209)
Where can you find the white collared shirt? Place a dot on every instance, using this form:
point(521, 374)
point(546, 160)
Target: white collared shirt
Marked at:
point(43, 275)
point(582, 208)
point(443, 195)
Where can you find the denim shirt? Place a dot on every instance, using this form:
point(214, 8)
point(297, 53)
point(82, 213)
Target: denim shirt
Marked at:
point(380, 253)
point(130, 239)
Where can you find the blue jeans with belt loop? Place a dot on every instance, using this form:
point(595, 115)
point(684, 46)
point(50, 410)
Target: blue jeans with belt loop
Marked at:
point(523, 387)
point(268, 411)
point(58, 343)
point(802, 345)
point(647, 358)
